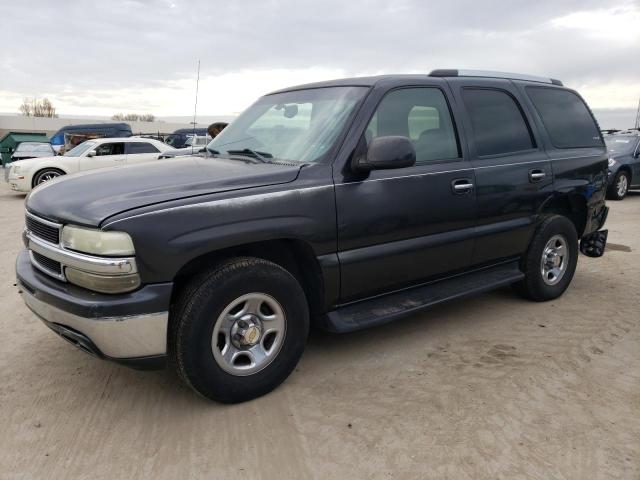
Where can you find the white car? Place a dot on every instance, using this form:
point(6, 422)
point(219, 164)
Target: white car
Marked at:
point(100, 153)
point(193, 145)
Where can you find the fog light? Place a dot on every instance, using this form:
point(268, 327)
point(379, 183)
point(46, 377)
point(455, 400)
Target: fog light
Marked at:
point(103, 283)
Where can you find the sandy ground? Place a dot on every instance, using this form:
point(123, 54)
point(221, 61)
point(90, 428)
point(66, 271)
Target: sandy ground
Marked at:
point(489, 387)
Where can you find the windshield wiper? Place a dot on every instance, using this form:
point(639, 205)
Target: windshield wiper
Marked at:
point(264, 157)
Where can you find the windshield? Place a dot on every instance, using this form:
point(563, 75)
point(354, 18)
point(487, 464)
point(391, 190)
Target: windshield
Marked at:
point(80, 149)
point(175, 140)
point(34, 147)
point(298, 126)
point(621, 145)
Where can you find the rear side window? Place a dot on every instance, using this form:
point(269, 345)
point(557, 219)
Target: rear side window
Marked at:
point(497, 121)
point(141, 147)
point(565, 117)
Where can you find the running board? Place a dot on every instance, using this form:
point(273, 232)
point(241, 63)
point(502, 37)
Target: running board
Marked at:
point(389, 307)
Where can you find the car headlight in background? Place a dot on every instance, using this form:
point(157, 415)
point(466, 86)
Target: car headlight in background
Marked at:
point(612, 162)
point(97, 242)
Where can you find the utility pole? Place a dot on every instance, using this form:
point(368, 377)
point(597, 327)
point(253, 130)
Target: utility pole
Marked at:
point(195, 107)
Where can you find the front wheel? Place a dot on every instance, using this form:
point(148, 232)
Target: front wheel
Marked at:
point(620, 186)
point(239, 330)
point(45, 175)
point(550, 262)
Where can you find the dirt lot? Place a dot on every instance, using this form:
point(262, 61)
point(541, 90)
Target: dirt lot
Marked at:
point(489, 387)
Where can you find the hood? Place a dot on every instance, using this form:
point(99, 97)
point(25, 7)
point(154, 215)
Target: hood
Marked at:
point(91, 197)
point(28, 155)
point(32, 161)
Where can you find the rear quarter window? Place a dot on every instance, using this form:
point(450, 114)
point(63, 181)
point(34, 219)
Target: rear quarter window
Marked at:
point(141, 147)
point(566, 118)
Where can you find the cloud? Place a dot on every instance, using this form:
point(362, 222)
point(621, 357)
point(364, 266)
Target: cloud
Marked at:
point(126, 55)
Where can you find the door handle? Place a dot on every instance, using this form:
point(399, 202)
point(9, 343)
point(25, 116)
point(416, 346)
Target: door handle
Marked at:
point(536, 175)
point(461, 186)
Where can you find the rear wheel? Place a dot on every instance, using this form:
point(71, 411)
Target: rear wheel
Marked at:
point(45, 175)
point(551, 260)
point(620, 186)
point(239, 330)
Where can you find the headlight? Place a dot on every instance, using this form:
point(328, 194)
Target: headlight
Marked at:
point(14, 169)
point(88, 240)
point(612, 162)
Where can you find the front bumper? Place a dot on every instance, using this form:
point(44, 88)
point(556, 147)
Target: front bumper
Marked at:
point(18, 183)
point(129, 328)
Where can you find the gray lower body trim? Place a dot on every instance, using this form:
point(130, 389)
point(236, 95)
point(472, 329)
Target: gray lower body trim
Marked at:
point(116, 337)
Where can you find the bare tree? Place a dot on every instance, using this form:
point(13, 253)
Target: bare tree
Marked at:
point(32, 107)
point(26, 107)
point(134, 117)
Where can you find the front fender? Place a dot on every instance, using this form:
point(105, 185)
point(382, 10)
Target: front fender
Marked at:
point(168, 238)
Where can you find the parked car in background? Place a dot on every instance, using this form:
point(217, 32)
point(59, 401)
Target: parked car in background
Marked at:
point(70, 136)
point(344, 204)
point(624, 162)
point(24, 175)
point(193, 145)
point(178, 139)
point(32, 150)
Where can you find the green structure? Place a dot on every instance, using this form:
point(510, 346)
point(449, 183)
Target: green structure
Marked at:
point(11, 140)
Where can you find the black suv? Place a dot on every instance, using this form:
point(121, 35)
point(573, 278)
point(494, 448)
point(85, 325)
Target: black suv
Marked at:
point(341, 204)
point(624, 162)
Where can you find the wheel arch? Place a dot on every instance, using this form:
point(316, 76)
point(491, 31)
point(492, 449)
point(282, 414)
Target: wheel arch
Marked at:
point(628, 170)
point(572, 206)
point(42, 169)
point(294, 255)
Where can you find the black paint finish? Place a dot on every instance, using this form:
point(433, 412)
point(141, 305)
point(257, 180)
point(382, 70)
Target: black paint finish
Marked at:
point(370, 232)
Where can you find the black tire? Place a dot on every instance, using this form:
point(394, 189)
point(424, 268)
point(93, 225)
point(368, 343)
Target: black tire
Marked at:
point(199, 307)
point(45, 175)
point(620, 186)
point(534, 286)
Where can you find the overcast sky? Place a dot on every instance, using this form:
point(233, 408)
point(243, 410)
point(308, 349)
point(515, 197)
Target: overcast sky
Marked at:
point(99, 58)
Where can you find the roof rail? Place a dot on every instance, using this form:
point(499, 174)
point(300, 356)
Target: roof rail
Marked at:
point(489, 74)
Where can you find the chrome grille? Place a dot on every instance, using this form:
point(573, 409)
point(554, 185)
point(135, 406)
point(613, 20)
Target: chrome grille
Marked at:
point(47, 231)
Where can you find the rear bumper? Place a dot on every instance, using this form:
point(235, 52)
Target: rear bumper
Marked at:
point(129, 328)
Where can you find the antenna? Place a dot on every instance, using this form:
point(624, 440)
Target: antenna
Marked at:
point(195, 107)
point(638, 116)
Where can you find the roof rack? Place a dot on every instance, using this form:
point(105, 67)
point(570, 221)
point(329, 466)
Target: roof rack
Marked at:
point(490, 74)
point(629, 131)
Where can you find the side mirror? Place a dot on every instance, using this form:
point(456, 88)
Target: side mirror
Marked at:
point(388, 152)
point(92, 153)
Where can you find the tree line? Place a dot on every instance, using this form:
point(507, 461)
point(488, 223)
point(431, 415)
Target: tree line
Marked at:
point(33, 107)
